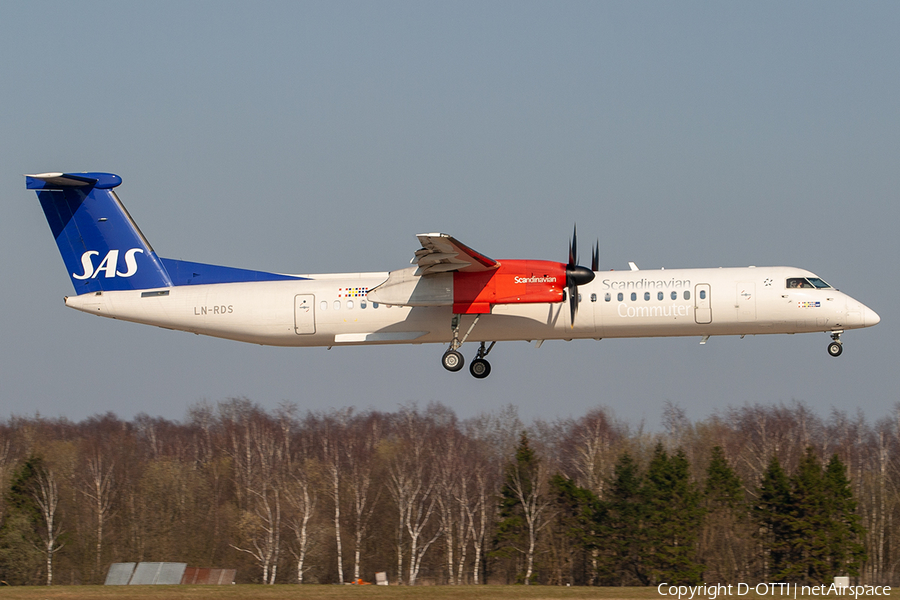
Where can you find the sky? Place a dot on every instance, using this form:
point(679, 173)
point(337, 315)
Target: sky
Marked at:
point(317, 137)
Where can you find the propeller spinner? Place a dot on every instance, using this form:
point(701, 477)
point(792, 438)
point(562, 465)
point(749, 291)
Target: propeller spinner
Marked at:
point(577, 275)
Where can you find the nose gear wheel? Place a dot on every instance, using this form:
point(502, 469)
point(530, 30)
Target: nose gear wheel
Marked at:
point(836, 347)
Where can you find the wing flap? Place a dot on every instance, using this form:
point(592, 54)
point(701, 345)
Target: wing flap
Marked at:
point(442, 253)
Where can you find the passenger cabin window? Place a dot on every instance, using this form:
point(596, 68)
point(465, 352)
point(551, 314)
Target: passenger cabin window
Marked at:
point(687, 294)
point(337, 305)
point(621, 296)
point(646, 296)
point(633, 296)
point(607, 297)
point(323, 305)
point(593, 297)
point(703, 294)
point(660, 296)
point(674, 295)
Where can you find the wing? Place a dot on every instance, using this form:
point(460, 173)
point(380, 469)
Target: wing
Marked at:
point(442, 253)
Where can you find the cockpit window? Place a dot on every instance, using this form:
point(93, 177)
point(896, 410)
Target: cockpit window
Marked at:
point(798, 282)
point(807, 282)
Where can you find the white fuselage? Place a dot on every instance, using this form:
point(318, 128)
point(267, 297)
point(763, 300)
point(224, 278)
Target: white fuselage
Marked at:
point(332, 309)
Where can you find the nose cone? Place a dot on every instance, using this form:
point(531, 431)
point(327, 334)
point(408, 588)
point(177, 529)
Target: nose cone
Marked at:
point(870, 317)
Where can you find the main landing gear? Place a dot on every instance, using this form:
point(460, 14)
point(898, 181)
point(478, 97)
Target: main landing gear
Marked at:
point(453, 360)
point(836, 347)
point(480, 368)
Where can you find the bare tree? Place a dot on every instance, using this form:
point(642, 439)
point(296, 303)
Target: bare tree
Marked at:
point(494, 437)
point(589, 450)
point(330, 431)
point(526, 479)
point(236, 415)
point(448, 465)
point(479, 516)
point(46, 497)
point(361, 439)
point(412, 485)
point(5, 461)
point(202, 419)
point(469, 470)
point(96, 486)
point(261, 521)
point(301, 492)
point(301, 496)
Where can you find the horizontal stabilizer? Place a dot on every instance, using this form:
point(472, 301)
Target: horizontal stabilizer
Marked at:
point(55, 181)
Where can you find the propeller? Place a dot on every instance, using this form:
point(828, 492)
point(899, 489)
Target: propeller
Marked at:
point(577, 275)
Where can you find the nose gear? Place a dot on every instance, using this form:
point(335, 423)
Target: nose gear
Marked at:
point(836, 347)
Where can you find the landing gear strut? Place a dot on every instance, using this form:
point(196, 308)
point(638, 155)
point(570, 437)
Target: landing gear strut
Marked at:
point(836, 347)
point(453, 360)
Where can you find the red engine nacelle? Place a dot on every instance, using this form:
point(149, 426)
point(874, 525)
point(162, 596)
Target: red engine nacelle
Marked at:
point(513, 282)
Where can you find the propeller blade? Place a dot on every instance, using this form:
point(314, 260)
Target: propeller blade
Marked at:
point(595, 257)
point(573, 302)
point(577, 275)
point(573, 247)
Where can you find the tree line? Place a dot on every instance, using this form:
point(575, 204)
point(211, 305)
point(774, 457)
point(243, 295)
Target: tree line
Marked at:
point(753, 493)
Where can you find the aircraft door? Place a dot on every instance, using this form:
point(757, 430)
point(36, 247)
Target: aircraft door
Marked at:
point(304, 314)
point(702, 307)
point(746, 301)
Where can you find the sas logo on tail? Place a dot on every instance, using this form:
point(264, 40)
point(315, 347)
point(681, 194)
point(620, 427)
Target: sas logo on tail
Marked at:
point(108, 265)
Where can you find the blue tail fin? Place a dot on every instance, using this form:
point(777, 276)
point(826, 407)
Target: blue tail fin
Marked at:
point(101, 245)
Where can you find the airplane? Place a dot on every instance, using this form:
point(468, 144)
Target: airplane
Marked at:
point(451, 295)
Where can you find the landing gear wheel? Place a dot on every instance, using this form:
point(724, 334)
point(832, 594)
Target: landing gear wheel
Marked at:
point(453, 361)
point(835, 348)
point(480, 368)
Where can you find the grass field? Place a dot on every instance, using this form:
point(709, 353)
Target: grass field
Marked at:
point(334, 592)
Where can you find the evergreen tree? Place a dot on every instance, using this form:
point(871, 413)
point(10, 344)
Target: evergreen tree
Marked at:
point(622, 536)
point(20, 560)
point(672, 518)
point(772, 513)
point(845, 531)
point(522, 510)
point(723, 487)
point(723, 526)
point(809, 524)
point(811, 530)
point(577, 514)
